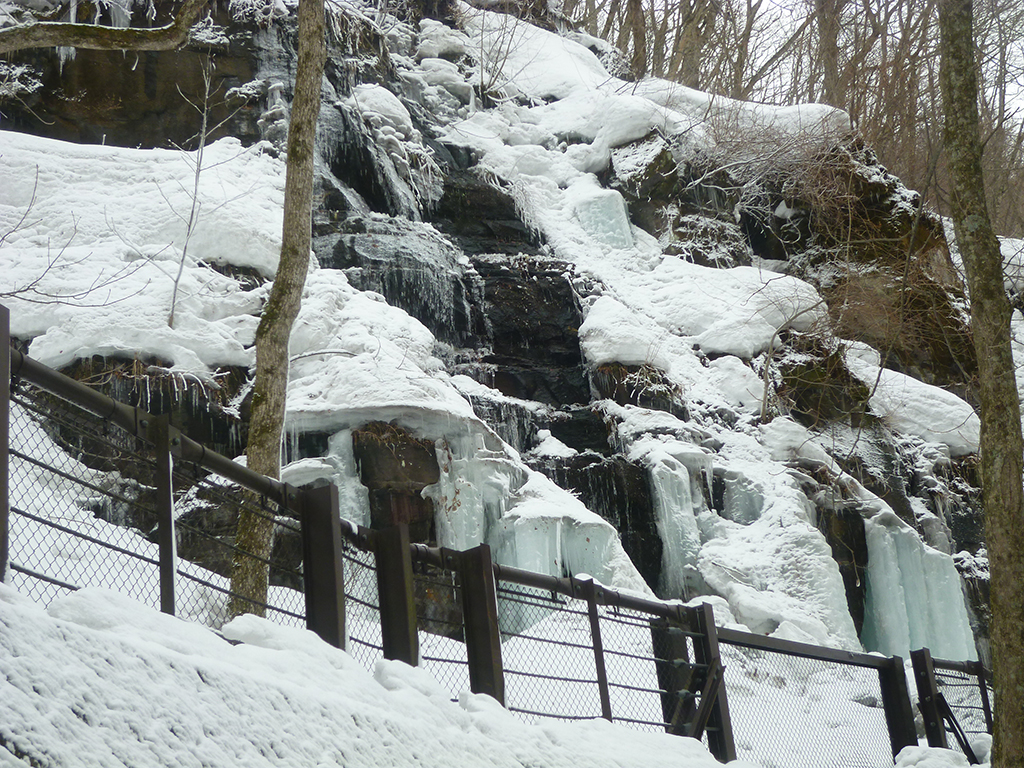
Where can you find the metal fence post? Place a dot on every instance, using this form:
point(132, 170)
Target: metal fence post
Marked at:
point(899, 714)
point(986, 705)
point(323, 564)
point(928, 697)
point(161, 434)
point(395, 592)
point(480, 620)
point(589, 590)
point(719, 731)
point(5, 435)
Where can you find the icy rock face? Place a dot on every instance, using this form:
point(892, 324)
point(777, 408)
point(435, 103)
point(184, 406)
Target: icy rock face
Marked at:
point(616, 488)
point(414, 268)
point(677, 523)
point(914, 596)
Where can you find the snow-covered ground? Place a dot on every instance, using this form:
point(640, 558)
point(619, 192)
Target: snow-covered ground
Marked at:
point(99, 680)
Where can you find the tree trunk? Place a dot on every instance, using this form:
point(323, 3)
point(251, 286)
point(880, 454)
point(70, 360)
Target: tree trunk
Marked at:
point(638, 29)
point(1001, 444)
point(249, 575)
point(828, 14)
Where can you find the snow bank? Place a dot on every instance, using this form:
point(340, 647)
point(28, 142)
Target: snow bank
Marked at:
point(911, 406)
point(95, 237)
point(99, 680)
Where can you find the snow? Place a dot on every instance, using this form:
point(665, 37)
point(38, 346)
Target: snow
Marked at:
point(914, 407)
point(344, 344)
point(378, 105)
point(97, 680)
point(95, 236)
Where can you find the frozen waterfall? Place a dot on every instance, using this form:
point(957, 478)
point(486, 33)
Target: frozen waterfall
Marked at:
point(914, 596)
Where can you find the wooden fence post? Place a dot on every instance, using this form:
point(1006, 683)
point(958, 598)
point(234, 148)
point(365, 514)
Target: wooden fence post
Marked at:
point(480, 620)
point(5, 437)
point(395, 592)
point(899, 715)
point(165, 439)
point(323, 565)
point(719, 731)
point(589, 589)
point(928, 698)
point(671, 661)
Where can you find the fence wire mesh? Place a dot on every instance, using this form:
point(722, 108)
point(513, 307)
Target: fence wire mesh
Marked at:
point(548, 654)
point(362, 605)
point(82, 502)
point(962, 691)
point(207, 509)
point(440, 622)
point(635, 669)
point(795, 712)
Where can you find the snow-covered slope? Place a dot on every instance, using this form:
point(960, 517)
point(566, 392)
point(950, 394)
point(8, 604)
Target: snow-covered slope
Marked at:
point(98, 680)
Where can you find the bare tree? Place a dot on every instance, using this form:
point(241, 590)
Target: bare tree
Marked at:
point(249, 575)
point(1002, 466)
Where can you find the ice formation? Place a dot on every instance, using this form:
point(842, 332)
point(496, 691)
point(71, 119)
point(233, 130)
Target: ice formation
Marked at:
point(914, 595)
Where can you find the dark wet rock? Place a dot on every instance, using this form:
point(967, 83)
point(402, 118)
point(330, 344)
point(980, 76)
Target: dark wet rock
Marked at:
point(619, 490)
point(844, 531)
point(142, 99)
point(414, 268)
point(202, 410)
point(482, 217)
point(533, 321)
point(642, 385)
point(396, 467)
point(582, 428)
point(817, 385)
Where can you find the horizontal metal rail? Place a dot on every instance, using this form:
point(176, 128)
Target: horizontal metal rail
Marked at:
point(136, 421)
point(86, 537)
point(42, 577)
point(967, 667)
point(802, 650)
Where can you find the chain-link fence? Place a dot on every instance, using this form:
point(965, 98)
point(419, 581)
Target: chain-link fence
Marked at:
point(81, 498)
point(362, 605)
point(440, 626)
point(636, 665)
point(207, 509)
point(90, 506)
point(798, 712)
point(548, 654)
point(969, 696)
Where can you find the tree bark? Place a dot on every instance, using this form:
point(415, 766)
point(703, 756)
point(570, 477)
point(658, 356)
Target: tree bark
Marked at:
point(45, 34)
point(829, 13)
point(1001, 445)
point(249, 575)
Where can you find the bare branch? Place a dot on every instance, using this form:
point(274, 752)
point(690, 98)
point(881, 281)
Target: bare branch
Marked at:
point(45, 34)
